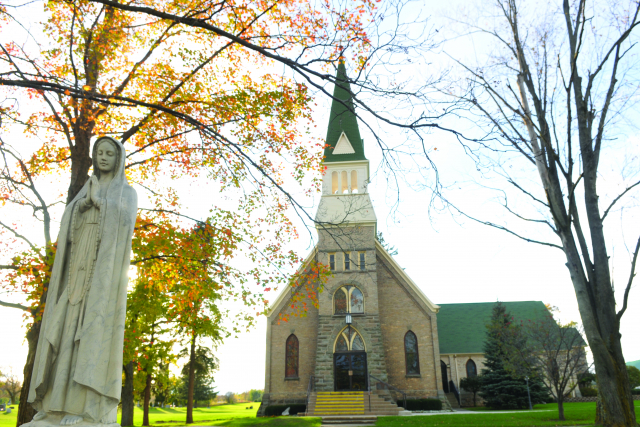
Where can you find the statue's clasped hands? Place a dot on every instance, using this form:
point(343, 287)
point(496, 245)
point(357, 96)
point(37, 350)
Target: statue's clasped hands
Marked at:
point(93, 193)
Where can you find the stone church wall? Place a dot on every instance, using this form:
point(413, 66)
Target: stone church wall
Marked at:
point(400, 313)
point(353, 240)
point(283, 390)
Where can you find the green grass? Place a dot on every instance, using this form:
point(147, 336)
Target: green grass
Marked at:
point(580, 414)
point(222, 415)
point(178, 416)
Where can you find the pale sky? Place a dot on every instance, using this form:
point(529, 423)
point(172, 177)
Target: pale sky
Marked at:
point(451, 259)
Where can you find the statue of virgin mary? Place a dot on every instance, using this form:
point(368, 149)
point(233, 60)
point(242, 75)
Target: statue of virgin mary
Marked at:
point(77, 373)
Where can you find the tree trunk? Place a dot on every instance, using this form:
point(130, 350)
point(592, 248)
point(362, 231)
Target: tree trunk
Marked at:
point(25, 410)
point(192, 367)
point(147, 398)
point(127, 396)
point(560, 407)
point(80, 161)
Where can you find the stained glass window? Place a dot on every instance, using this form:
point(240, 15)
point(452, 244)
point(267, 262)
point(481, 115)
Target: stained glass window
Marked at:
point(357, 344)
point(348, 299)
point(341, 345)
point(472, 371)
point(357, 301)
point(291, 364)
point(411, 353)
point(340, 301)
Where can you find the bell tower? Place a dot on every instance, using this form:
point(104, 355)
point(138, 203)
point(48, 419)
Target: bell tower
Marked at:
point(349, 342)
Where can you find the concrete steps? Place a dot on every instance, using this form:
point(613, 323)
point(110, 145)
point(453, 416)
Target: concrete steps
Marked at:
point(452, 400)
point(351, 403)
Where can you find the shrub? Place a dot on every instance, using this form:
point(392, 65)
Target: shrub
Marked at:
point(636, 392)
point(589, 392)
point(422, 404)
point(279, 409)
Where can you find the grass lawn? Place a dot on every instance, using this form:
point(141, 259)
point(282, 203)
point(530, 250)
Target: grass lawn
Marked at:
point(222, 415)
point(177, 416)
point(581, 414)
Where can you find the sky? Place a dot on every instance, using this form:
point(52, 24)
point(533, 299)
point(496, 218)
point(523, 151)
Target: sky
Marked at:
point(451, 259)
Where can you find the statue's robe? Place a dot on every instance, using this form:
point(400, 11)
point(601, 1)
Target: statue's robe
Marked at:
point(78, 363)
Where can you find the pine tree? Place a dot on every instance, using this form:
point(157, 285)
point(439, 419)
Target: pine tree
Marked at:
point(500, 388)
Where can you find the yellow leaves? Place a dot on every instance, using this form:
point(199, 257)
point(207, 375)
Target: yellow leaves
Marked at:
point(86, 88)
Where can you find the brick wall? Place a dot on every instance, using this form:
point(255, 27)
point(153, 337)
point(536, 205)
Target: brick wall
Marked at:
point(305, 329)
point(400, 313)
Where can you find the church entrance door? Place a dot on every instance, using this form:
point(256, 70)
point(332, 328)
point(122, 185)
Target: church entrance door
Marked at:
point(350, 371)
point(445, 380)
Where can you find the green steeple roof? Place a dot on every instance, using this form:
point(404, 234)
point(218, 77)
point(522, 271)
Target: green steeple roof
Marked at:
point(343, 119)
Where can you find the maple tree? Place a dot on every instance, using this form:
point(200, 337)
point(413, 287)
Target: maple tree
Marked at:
point(185, 104)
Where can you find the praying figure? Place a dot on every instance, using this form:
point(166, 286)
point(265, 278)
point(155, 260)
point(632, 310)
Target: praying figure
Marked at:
point(77, 373)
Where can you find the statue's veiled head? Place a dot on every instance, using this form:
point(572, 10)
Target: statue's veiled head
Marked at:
point(106, 156)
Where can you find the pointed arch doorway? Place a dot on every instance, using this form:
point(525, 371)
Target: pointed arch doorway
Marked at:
point(350, 361)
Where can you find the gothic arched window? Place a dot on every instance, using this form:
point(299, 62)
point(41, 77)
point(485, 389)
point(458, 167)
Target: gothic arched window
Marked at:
point(411, 353)
point(349, 340)
point(291, 356)
point(472, 371)
point(348, 299)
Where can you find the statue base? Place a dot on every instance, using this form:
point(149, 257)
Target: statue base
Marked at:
point(53, 420)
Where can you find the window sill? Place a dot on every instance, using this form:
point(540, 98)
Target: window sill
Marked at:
point(292, 378)
point(413, 376)
point(352, 315)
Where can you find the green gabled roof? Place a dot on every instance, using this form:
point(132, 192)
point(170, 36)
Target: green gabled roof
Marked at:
point(462, 327)
point(343, 119)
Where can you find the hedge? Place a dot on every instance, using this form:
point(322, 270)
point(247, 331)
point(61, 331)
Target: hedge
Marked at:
point(422, 404)
point(279, 409)
point(588, 392)
point(636, 391)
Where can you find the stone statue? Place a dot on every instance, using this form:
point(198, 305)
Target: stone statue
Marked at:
point(77, 373)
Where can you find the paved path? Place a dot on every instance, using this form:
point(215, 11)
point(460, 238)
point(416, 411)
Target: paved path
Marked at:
point(465, 411)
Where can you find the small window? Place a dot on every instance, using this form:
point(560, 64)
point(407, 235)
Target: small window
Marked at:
point(472, 371)
point(334, 183)
point(345, 182)
point(362, 263)
point(332, 262)
point(291, 363)
point(347, 261)
point(348, 299)
point(411, 353)
point(354, 181)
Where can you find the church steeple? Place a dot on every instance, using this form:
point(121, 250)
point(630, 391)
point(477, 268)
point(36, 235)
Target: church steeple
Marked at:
point(343, 136)
point(345, 201)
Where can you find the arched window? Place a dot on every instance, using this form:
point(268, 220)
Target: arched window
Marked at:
point(411, 353)
point(291, 362)
point(334, 182)
point(354, 181)
point(472, 371)
point(349, 340)
point(345, 183)
point(348, 299)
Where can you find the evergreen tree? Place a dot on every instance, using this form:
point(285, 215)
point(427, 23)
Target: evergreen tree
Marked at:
point(205, 365)
point(500, 388)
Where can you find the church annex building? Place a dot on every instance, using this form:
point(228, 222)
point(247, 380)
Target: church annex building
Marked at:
point(374, 328)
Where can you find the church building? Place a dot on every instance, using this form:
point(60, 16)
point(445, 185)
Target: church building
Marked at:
point(374, 328)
